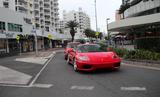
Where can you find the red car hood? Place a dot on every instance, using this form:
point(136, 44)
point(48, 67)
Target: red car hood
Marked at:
point(99, 57)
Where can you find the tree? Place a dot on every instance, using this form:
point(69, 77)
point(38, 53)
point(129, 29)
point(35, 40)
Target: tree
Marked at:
point(90, 33)
point(72, 25)
point(100, 35)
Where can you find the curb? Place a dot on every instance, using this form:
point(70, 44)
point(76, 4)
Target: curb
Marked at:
point(141, 66)
point(48, 57)
point(142, 63)
point(31, 82)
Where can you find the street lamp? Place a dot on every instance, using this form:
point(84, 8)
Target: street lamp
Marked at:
point(107, 29)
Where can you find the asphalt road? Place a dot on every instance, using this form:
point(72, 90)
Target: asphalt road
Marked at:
point(64, 82)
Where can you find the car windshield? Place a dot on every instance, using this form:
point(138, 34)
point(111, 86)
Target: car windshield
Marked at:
point(91, 48)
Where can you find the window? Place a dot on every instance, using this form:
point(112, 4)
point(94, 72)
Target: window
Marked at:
point(6, 4)
point(2, 25)
point(14, 27)
point(145, 0)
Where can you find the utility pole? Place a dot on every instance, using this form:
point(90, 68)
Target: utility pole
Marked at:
point(35, 35)
point(96, 15)
point(108, 31)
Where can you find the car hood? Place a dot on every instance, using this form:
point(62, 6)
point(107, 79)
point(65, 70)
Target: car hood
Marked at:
point(98, 57)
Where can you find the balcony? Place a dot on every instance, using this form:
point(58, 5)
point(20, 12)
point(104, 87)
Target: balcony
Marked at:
point(22, 1)
point(56, 4)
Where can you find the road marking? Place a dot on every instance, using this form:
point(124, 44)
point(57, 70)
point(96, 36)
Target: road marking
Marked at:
point(82, 88)
point(10, 76)
point(36, 60)
point(145, 67)
point(133, 88)
point(17, 86)
point(42, 85)
point(36, 77)
point(31, 86)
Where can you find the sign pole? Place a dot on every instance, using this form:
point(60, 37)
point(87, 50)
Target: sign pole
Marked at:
point(20, 46)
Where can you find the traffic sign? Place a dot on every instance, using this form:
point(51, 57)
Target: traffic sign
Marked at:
point(50, 36)
point(17, 37)
point(97, 33)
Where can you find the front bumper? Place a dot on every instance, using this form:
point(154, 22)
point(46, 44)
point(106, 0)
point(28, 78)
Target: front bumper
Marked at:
point(86, 66)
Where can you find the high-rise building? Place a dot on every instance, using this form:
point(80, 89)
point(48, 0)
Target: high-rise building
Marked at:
point(46, 14)
point(25, 17)
point(80, 17)
point(43, 14)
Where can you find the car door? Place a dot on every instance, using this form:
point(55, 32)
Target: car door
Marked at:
point(73, 54)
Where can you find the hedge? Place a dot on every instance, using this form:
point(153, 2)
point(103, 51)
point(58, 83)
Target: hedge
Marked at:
point(136, 54)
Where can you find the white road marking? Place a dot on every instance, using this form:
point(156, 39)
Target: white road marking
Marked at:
point(145, 67)
point(42, 85)
point(133, 88)
point(36, 60)
point(10, 76)
point(31, 86)
point(17, 86)
point(36, 77)
point(82, 88)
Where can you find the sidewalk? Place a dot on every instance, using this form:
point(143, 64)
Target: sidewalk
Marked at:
point(22, 69)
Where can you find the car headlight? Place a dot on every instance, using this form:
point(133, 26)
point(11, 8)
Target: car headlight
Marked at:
point(83, 58)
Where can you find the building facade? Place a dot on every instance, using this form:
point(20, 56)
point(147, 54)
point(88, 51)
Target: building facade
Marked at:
point(141, 20)
point(10, 4)
point(80, 17)
point(27, 19)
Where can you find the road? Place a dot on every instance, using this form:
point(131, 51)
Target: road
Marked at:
point(59, 80)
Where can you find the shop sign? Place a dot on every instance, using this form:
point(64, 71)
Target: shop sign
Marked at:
point(10, 35)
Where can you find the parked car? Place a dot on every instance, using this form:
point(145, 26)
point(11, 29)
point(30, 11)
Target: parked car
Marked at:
point(88, 57)
point(69, 46)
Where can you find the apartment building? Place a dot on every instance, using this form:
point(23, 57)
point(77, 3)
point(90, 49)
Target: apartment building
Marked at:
point(141, 20)
point(21, 17)
point(46, 15)
point(80, 17)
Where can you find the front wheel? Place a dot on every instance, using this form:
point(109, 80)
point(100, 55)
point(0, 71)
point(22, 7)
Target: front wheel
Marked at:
point(66, 57)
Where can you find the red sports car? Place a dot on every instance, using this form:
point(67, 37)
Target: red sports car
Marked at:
point(70, 46)
point(88, 57)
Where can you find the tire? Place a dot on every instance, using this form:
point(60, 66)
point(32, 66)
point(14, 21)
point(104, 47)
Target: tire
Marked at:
point(66, 57)
point(75, 66)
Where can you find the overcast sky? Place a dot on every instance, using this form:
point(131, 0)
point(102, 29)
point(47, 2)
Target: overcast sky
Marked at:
point(105, 9)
